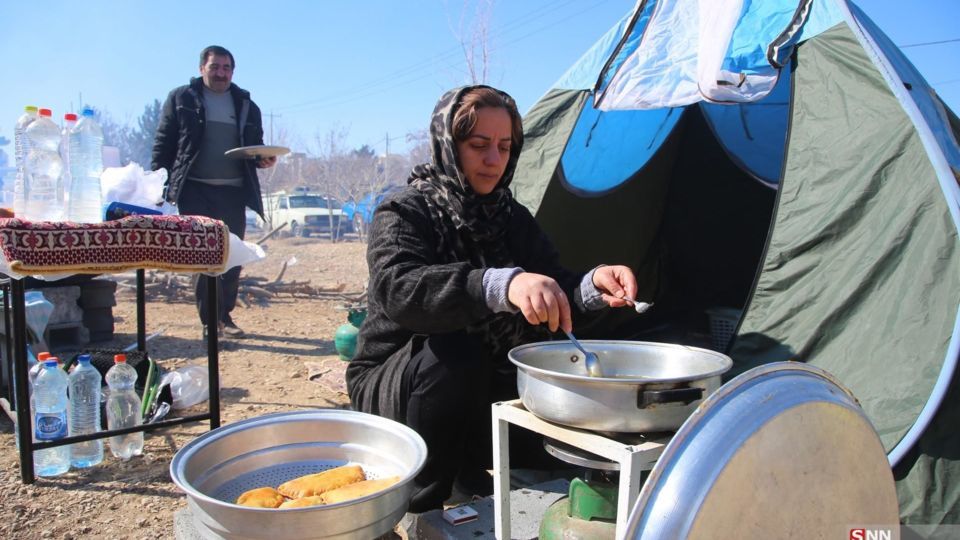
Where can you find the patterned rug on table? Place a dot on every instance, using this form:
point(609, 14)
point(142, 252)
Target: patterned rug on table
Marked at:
point(176, 243)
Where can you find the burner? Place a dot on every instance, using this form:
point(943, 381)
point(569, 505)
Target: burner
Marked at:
point(578, 456)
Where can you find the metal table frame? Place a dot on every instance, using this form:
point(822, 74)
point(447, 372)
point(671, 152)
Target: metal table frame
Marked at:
point(17, 393)
point(633, 459)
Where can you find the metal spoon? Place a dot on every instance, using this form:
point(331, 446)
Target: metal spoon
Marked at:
point(162, 411)
point(639, 307)
point(590, 360)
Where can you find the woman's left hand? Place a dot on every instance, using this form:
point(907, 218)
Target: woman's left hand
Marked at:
point(615, 283)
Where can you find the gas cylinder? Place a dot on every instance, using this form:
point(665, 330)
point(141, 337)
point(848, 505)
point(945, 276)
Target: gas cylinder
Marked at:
point(588, 512)
point(345, 338)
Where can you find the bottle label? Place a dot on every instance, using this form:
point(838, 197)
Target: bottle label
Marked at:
point(51, 426)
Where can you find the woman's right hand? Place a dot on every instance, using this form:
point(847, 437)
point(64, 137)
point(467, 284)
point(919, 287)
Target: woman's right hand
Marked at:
point(541, 300)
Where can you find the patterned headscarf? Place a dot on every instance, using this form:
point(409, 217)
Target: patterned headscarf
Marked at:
point(479, 222)
point(472, 227)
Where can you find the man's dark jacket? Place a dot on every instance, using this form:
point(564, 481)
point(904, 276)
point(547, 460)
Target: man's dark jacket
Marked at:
point(180, 133)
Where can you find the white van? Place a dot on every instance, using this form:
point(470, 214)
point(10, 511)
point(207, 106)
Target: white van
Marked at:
point(305, 213)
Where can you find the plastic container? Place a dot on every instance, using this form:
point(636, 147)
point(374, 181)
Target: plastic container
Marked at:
point(50, 419)
point(69, 122)
point(189, 386)
point(44, 192)
point(21, 149)
point(723, 324)
point(86, 166)
point(123, 409)
point(84, 397)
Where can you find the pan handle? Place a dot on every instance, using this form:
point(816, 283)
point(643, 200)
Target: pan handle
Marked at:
point(646, 398)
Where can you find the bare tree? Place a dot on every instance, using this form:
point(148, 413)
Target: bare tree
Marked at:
point(282, 176)
point(338, 172)
point(474, 37)
point(420, 151)
point(115, 133)
point(141, 137)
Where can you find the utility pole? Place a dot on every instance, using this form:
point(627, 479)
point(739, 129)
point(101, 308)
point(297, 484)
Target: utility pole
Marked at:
point(386, 158)
point(272, 115)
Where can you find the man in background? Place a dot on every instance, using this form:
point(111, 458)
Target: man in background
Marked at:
point(199, 122)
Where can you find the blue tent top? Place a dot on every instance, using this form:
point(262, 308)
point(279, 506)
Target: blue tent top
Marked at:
point(599, 156)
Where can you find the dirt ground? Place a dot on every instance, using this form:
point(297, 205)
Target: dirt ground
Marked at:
point(288, 339)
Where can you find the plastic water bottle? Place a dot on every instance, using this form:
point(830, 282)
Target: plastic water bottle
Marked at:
point(21, 149)
point(123, 409)
point(50, 420)
point(32, 378)
point(69, 122)
point(35, 370)
point(86, 165)
point(84, 384)
point(44, 168)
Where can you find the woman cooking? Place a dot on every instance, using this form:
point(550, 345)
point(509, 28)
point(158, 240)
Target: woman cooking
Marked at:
point(460, 273)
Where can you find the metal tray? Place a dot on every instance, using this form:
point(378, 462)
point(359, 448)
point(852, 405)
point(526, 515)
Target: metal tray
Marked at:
point(782, 450)
point(214, 469)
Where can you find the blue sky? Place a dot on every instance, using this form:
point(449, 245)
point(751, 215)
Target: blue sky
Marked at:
point(372, 67)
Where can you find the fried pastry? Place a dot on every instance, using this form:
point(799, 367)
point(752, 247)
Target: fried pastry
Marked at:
point(313, 500)
point(358, 489)
point(316, 484)
point(263, 497)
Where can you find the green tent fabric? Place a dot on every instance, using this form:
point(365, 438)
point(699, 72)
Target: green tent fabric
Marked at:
point(851, 262)
point(546, 128)
point(862, 273)
point(840, 271)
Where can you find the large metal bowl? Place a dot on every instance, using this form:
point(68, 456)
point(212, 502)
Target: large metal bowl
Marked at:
point(647, 386)
point(215, 468)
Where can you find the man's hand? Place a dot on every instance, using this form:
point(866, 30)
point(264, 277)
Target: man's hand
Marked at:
point(615, 283)
point(541, 300)
point(266, 162)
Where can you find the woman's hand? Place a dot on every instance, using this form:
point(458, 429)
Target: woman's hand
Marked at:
point(541, 300)
point(615, 283)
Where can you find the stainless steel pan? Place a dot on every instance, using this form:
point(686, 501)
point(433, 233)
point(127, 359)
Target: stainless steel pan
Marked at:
point(646, 387)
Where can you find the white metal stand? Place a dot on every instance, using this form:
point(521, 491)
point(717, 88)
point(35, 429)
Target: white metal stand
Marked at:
point(633, 460)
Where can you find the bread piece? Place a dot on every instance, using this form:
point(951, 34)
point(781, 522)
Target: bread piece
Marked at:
point(264, 497)
point(315, 484)
point(313, 500)
point(359, 489)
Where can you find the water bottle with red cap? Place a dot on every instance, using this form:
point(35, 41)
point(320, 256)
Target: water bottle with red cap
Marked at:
point(69, 122)
point(123, 409)
point(44, 167)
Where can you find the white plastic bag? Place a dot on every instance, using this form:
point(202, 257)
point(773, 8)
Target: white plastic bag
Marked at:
point(189, 386)
point(133, 185)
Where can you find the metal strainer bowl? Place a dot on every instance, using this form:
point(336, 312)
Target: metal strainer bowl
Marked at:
point(215, 468)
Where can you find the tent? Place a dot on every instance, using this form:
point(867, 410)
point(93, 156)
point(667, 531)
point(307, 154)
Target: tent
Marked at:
point(780, 167)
